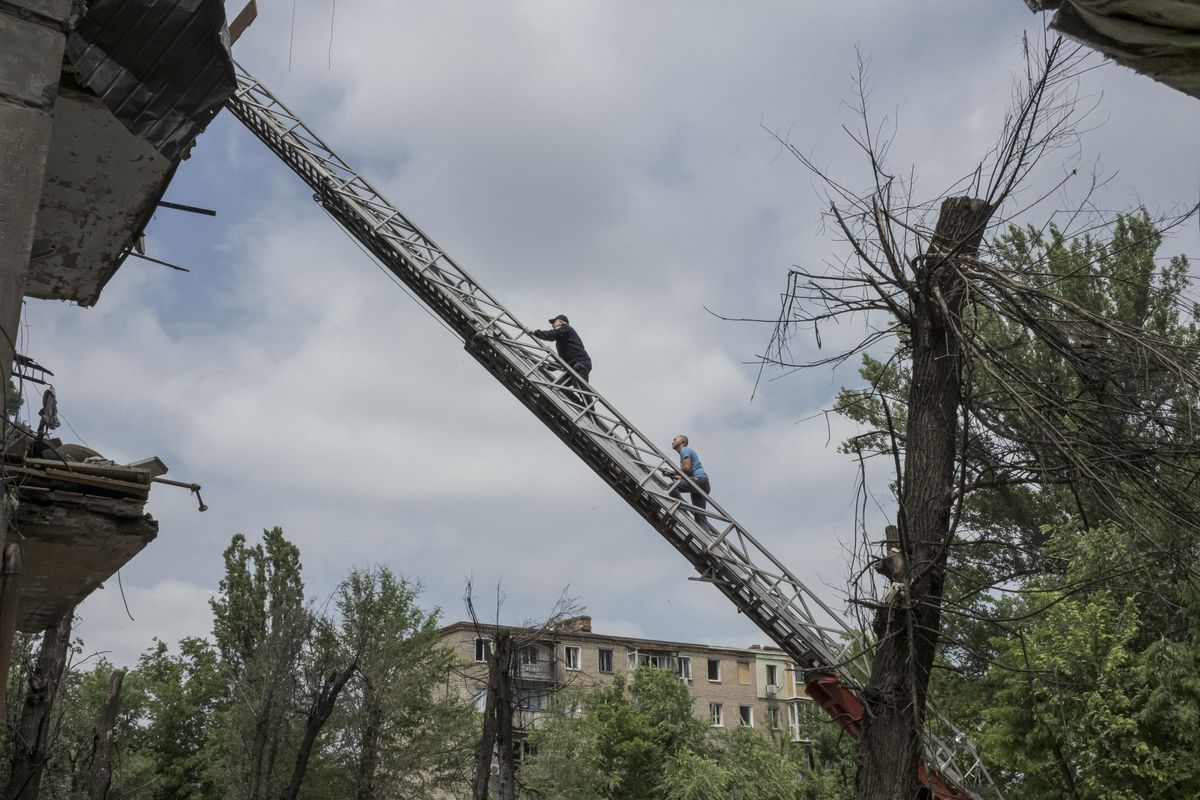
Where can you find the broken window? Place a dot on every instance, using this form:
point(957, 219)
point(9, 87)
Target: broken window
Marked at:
point(571, 657)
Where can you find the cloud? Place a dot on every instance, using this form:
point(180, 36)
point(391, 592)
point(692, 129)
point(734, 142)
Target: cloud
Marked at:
point(577, 158)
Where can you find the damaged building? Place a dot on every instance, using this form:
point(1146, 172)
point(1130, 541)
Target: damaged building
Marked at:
point(1158, 38)
point(100, 102)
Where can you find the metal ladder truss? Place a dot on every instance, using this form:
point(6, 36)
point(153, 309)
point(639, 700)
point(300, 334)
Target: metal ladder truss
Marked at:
point(721, 550)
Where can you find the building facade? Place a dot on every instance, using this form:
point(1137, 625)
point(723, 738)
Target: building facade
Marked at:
point(730, 687)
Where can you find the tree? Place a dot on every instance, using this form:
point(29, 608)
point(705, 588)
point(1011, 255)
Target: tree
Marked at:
point(174, 704)
point(620, 744)
point(328, 668)
point(260, 625)
point(504, 656)
point(102, 740)
point(32, 743)
point(1077, 709)
point(645, 743)
point(1111, 425)
point(407, 738)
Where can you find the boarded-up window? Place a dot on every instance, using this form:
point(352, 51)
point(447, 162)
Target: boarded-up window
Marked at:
point(744, 673)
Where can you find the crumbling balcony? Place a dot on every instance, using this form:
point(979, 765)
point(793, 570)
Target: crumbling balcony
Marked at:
point(77, 523)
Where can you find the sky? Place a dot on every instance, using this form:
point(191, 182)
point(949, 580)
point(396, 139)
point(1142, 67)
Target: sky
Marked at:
point(616, 162)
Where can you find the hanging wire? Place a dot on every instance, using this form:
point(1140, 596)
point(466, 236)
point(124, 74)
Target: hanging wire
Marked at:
point(390, 275)
point(292, 37)
point(332, 14)
point(77, 436)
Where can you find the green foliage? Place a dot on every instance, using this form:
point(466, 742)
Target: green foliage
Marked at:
point(1073, 707)
point(645, 743)
point(408, 739)
point(178, 698)
point(12, 401)
point(258, 598)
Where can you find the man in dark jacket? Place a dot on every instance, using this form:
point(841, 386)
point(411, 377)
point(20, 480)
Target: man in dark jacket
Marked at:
point(569, 345)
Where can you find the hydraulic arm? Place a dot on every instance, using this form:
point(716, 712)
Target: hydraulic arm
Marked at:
point(722, 551)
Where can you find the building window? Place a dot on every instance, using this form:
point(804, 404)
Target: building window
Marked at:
point(483, 648)
point(660, 660)
point(747, 715)
point(528, 699)
point(744, 673)
point(714, 669)
point(772, 675)
point(573, 709)
point(714, 711)
point(606, 660)
point(571, 657)
point(479, 699)
point(773, 717)
point(794, 720)
point(529, 656)
point(685, 667)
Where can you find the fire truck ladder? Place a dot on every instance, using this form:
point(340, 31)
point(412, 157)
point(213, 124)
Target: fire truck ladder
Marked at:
point(722, 551)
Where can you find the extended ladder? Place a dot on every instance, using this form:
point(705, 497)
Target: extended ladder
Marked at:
point(721, 550)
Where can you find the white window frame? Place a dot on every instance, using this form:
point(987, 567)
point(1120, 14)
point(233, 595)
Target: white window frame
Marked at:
point(482, 646)
point(685, 667)
point(712, 661)
point(716, 713)
point(794, 720)
point(746, 716)
point(479, 699)
point(773, 718)
point(572, 662)
point(529, 655)
point(600, 661)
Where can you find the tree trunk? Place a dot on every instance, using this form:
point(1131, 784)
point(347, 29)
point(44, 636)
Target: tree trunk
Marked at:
point(318, 714)
point(258, 748)
point(497, 735)
point(11, 569)
point(102, 739)
point(907, 628)
point(33, 730)
point(487, 737)
point(368, 758)
point(504, 716)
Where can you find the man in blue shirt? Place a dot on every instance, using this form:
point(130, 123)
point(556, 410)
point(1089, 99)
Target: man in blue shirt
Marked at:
point(689, 464)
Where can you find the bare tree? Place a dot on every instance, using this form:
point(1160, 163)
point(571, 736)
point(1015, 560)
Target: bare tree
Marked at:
point(32, 738)
point(973, 417)
point(102, 739)
point(501, 732)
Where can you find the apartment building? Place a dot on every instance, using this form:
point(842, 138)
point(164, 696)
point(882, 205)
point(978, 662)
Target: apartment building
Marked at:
point(730, 687)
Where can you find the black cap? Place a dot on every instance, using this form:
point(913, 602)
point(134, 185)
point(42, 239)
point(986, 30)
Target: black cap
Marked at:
point(563, 317)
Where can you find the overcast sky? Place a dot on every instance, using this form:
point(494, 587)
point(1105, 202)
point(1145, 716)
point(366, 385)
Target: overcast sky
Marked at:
point(610, 161)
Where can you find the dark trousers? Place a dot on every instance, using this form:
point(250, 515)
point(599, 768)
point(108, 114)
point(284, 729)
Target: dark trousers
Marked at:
point(584, 368)
point(699, 498)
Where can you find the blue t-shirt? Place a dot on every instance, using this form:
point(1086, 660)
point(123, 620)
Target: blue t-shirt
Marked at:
point(697, 467)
